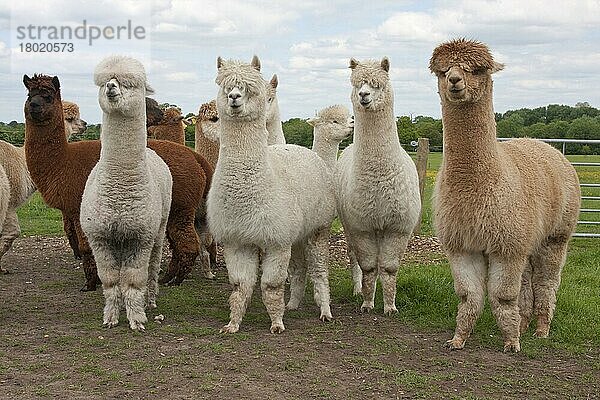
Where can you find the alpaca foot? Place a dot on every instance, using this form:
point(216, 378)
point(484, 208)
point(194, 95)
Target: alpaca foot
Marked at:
point(151, 304)
point(230, 328)
point(137, 326)
point(455, 344)
point(110, 322)
point(277, 327)
point(390, 310)
point(542, 333)
point(326, 315)
point(208, 275)
point(512, 346)
point(357, 291)
point(292, 305)
point(366, 307)
point(88, 287)
point(523, 326)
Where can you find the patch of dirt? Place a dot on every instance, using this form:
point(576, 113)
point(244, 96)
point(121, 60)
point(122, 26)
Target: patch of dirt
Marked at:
point(52, 345)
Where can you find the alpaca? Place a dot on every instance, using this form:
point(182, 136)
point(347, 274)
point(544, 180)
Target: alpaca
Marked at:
point(207, 132)
point(127, 196)
point(154, 114)
point(170, 127)
point(274, 200)
point(20, 188)
point(332, 125)
point(377, 183)
point(74, 125)
point(504, 212)
point(273, 119)
point(60, 170)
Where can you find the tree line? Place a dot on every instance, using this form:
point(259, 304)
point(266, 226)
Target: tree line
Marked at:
point(553, 121)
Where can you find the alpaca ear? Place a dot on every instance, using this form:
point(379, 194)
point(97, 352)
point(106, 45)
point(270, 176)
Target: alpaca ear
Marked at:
point(274, 81)
point(26, 81)
point(255, 63)
point(55, 82)
point(149, 89)
point(353, 63)
point(497, 67)
point(219, 62)
point(385, 64)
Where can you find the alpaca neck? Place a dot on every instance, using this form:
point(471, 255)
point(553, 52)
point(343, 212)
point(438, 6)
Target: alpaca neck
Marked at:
point(274, 126)
point(46, 148)
point(470, 137)
point(326, 149)
point(244, 142)
point(375, 134)
point(123, 140)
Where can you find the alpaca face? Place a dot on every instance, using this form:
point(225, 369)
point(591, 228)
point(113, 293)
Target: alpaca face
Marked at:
point(242, 91)
point(334, 124)
point(370, 84)
point(208, 118)
point(43, 102)
point(115, 97)
point(272, 105)
point(74, 125)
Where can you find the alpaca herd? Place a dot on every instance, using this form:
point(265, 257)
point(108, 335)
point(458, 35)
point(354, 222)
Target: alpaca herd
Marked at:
point(503, 212)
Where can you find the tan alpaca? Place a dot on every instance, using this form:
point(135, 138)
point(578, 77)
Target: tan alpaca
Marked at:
point(74, 125)
point(170, 127)
point(207, 132)
point(504, 212)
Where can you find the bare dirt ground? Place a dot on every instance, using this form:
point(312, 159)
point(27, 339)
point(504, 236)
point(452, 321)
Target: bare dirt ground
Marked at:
point(52, 345)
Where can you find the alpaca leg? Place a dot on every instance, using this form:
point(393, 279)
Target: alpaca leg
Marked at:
point(89, 264)
point(366, 254)
point(504, 286)
point(133, 283)
point(112, 295)
point(274, 273)
point(185, 249)
point(317, 257)
point(356, 272)
point(526, 299)
point(242, 268)
point(392, 248)
point(469, 273)
point(547, 264)
point(154, 268)
point(297, 277)
point(72, 236)
point(10, 231)
point(206, 245)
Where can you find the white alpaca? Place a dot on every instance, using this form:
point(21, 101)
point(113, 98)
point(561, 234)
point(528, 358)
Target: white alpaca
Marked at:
point(277, 200)
point(273, 118)
point(20, 188)
point(127, 196)
point(378, 188)
point(332, 125)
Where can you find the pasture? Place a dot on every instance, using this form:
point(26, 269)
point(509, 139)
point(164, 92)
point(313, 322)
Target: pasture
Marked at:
point(52, 344)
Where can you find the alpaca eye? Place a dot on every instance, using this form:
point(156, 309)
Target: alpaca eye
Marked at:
point(478, 71)
point(48, 98)
point(335, 122)
point(214, 119)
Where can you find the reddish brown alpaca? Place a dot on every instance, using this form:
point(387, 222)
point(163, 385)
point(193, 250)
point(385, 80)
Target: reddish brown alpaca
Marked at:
point(170, 127)
point(60, 170)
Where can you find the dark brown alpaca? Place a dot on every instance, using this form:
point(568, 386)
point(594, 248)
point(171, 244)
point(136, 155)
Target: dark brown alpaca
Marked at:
point(60, 170)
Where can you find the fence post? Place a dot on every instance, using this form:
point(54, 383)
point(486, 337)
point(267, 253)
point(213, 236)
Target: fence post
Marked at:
point(421, 163)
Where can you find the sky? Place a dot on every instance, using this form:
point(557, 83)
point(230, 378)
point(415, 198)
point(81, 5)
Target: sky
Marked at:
point(551, 49)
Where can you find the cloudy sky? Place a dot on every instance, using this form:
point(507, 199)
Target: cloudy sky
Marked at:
point(551, 48)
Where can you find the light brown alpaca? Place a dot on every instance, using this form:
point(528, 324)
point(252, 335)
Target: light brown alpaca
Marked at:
point(207, 132)
point(170, 127)
point(504, 212)
point(74, 125)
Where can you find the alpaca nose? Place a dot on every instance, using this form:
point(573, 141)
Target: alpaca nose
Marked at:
point(234, 96)
point(364, 93)
point(454, 79)
point(111, 85)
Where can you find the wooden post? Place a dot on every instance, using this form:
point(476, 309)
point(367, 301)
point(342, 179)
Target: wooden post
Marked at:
point(421, 163)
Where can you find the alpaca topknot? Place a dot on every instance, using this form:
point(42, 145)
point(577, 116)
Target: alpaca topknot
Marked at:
point(208, 110)
point(471, 53)
point(127, 70)
point(336, 112)
point(369, 71)
point(235, 72)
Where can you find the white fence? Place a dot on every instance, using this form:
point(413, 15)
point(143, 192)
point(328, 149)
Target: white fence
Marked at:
point(594, 187)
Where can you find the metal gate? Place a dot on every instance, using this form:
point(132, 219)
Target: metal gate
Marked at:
point(590, 199)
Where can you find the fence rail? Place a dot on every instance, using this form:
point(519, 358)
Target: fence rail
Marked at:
point(583, 185)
